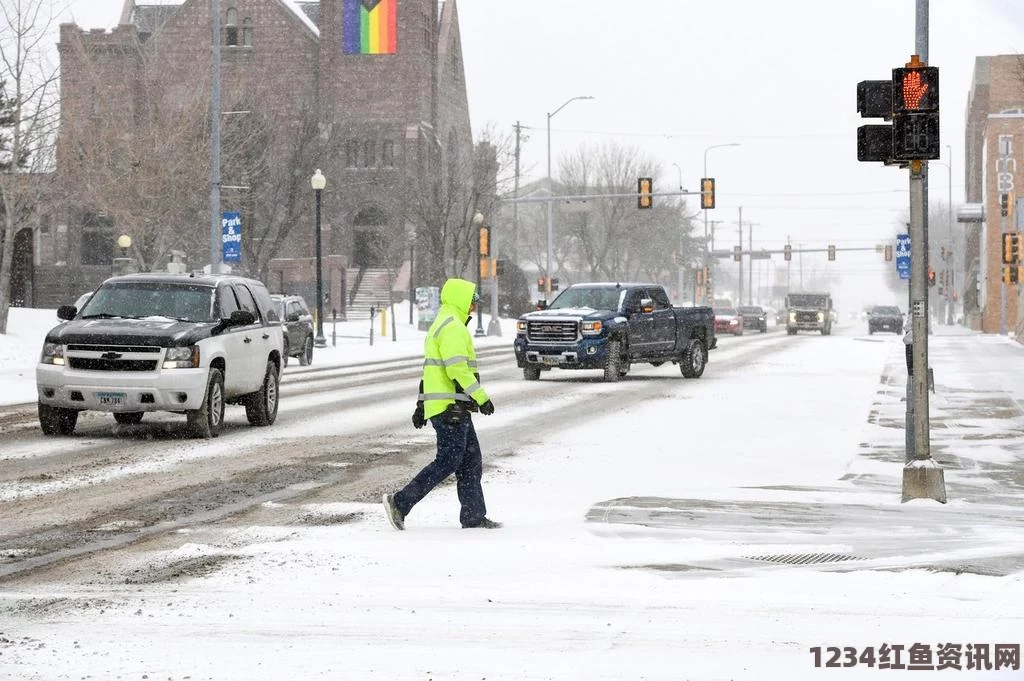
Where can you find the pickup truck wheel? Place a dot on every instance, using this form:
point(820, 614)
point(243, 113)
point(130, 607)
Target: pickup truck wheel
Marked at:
point(613, 362)
point(306, 358)
point(205, 422)
point(531, 373)
point(57, 420)
point(128, 418)
point(261, 406)
point(694, 360)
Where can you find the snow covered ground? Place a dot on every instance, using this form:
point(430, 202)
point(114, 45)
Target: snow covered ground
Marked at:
point(636, 547)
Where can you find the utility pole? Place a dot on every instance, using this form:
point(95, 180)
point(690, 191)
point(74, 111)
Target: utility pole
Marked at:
point(515, 206)
point(922, 477)
point(750, 274)
point(215, 219)
point(789, 266)
point(739, 281)
point(709, 291)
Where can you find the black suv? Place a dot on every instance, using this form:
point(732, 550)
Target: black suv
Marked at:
point(754, 317)
point(297, 325)
point(885, 318)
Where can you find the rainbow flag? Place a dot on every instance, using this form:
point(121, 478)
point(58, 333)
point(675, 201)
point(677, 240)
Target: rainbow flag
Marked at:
point(369, 26)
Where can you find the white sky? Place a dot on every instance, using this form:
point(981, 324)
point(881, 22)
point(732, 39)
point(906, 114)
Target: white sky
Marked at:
point(552, 596)
point(674, 77)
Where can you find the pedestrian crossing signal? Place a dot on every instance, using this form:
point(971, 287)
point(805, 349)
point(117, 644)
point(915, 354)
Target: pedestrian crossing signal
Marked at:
point(931, 277)
point(540, 284)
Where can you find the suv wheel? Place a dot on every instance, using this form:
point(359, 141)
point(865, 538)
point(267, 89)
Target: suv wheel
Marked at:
point(306, 358)
point(205, 422)
point(261, 406)
point(57, 420)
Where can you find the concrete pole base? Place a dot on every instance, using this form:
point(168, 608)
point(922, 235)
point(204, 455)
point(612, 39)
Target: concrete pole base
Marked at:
point(494, 327)
point(923, 479)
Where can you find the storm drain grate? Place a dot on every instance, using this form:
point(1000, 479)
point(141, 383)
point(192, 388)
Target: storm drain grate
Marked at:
point(804, 558)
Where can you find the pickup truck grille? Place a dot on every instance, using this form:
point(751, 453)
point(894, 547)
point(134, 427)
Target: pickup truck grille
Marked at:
point(96, 364)
point(807, 316)
point(113, 357)
point(551, 331)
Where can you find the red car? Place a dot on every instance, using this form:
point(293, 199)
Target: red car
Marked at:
point(728, 320)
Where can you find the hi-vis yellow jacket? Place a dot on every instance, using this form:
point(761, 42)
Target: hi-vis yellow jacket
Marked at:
point(449, 357)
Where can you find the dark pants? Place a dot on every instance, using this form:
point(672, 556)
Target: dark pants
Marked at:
point(458, 452)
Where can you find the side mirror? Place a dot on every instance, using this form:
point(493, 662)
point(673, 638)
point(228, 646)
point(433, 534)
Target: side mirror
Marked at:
point(647, 305)
point(66, 312)
point(542, 304)
point(293, 317)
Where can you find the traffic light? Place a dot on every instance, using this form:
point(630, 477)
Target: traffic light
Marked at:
point(874, 100)
point(737, 253)
point(1011, 248)
point(888, 252)
point(484, 241)
point(485, 268)
point(554, 283)
point(831, 252)
point(540, 284)
point(707, 192)
point(787, 252)
point(931, 277)
point(1013, 274)
point(644, 186)
point(915, 112)
point(1004, 205)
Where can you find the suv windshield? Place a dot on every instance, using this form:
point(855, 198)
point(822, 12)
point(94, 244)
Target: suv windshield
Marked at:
point(138, 300)
point(751, 310)
point(593, 298)
point(886, 310)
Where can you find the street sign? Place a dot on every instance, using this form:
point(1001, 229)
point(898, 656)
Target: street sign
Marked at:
point(231, 223)
point(903, 255)
point(760, 255)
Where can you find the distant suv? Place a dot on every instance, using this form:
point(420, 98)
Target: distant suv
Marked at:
point(885, 318)
point(163, 342)
point(754, 317)
point(297, 327)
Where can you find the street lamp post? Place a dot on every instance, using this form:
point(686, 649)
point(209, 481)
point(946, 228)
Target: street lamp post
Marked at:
point(707, 258)
point(478, 220)
point(318, 182)
point(551, 190)
point(679, 258)
point(493, 326)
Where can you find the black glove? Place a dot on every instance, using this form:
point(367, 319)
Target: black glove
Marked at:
point(417, 417)
point(487, 408)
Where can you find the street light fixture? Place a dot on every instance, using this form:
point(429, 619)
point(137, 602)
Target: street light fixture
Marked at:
point(478, 221)
point(707, 258)
point(551, 229)
point(318, 182)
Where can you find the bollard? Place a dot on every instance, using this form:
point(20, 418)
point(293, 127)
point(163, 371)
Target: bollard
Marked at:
point(334, 327)
point(372, 313)
point(394, 333)
point(383, 322)
point(908, 344)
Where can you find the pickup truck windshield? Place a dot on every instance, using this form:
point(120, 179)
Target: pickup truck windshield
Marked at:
point(815, 301)
point(138, 300)
point(594, 298)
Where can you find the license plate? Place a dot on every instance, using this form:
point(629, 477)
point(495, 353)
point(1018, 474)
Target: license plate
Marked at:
point(551, 361)
point(111, 399)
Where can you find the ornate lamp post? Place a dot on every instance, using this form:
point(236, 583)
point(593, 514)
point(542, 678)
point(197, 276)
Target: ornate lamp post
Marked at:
point(318, 182)
point(478, 220)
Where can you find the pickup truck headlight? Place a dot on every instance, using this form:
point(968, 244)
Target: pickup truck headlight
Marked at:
point(185, 357)
point(53, 353)
point(792, 317)
point(821, 316)
point(520, 327)
point(590, 328)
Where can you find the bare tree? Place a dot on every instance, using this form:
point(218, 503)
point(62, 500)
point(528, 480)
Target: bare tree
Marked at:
point(30, 85)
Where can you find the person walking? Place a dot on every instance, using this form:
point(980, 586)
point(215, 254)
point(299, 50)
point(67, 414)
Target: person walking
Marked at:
point(450, 391)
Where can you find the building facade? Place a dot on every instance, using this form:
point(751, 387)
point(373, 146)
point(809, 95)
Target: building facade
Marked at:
point(994, 152)
point(371, 92)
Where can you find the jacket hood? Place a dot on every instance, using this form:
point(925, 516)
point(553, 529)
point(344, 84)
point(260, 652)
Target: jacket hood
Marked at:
point(458, 294)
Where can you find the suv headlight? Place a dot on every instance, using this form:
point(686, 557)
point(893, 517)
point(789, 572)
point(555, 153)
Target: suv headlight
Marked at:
point(520, 327)
point(53, 353)
point(590, 328)
point(185, 357)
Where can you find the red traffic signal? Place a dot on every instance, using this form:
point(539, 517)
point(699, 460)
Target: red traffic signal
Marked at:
point(540, 284)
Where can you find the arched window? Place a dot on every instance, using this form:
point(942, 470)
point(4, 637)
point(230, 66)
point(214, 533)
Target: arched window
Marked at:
point(231, 28)
point(247, 32)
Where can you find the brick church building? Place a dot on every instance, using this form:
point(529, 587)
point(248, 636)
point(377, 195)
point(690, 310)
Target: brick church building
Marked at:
point(371, 92)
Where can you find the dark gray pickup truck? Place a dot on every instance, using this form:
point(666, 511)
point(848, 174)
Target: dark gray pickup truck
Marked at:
point(609, 326)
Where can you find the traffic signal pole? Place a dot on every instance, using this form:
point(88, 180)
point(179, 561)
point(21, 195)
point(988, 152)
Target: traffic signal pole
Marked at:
point(922, 477)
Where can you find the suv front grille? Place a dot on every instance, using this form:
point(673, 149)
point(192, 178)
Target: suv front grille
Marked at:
point(113, 357)
point(95, 364)
point(551, 331)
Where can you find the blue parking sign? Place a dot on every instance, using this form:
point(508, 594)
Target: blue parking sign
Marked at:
point(903, 255)
point(231, 223)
